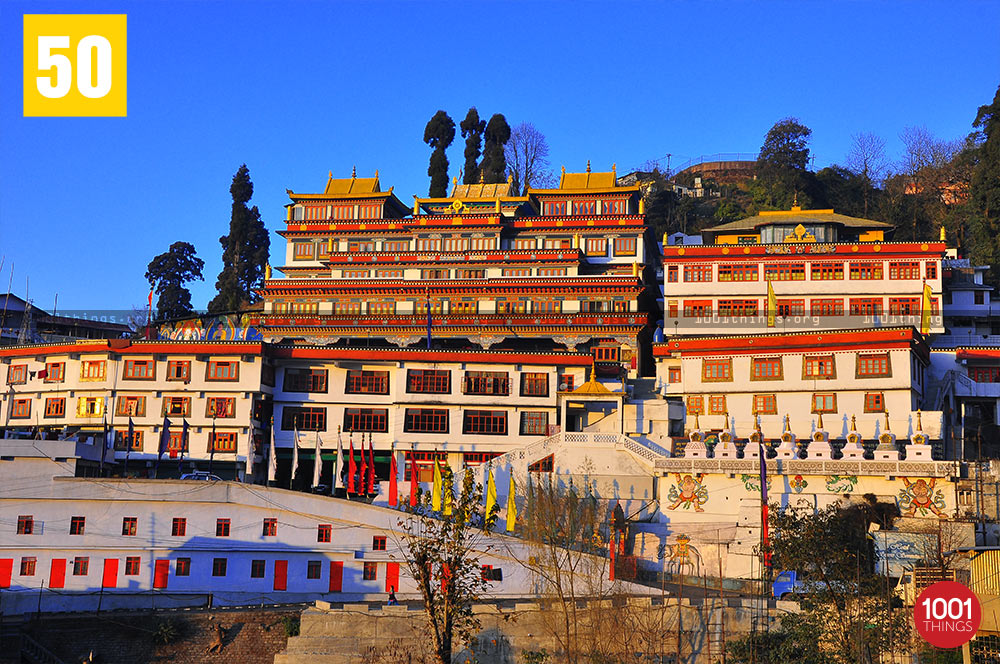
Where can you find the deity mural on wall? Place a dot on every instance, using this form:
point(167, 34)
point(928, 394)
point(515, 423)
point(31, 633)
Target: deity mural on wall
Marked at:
point(221, 328)
point(688, 492)
point(920, 498)
point(841, 483)
point(752, 483)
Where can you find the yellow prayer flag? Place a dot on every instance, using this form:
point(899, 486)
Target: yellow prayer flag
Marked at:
point(436, 489)
point(511, 507)
point(491, 492)
point(447, 493)
point(772, 305)
point(925, 310)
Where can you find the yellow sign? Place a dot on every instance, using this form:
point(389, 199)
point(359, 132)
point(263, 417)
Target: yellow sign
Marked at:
point(75, 65)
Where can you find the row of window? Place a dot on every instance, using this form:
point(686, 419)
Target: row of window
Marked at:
point(437, 274)
point(857, 306)
point(129, 406)
point(177, 442)
point(415, 420)
point(437, 306)
point(767, 404)
point(858, 271)
point(585, 207)
point(814, 367)
point(311, 250)
point(325, 212)
point(428, 381)
point(96, 370)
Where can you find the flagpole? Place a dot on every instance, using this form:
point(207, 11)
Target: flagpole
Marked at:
point(211, 445)
point(427, 291)
point(272, 459)
point(338, 466)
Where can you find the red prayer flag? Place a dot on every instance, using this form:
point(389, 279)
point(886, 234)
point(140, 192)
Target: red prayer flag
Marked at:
point(371, 466)
point(413, 482)
point(393, 498)
point(611, 555)
point(351, 469)
point(364, 468)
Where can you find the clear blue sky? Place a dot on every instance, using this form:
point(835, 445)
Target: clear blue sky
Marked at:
point(295, 89)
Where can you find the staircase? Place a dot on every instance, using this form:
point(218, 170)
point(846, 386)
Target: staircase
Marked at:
point(646, 452)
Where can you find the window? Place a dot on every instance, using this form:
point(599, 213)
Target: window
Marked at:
point(179, 406)
point(381, 308)
point(123, 442)
point(674, 375)
point(785, 307)
point(220, 407)
point(428, 381)
point(464, 307)
point(716, 370)
point(314, 569)
point(366, 246)
point(866, 306)
point(534, 385)
point(270, 528)
point(826, 307)
point(55, 372)
point(367, 382)
point(824, 403)
point(625, 246)
point(907, 306)
point(140, 369)
point(182, 567)
point(485, 422)
point(470, 274)
point(129, 526)
point(179, 370)
point(738, 307)
point(814, 368)
point(92, 369)
point(985, 374)
point(731, 272)
point(131, 406)
point(697, 273)
point(342, 308)
point(222, 527)
point(223, 370)
point(25, 524)
point(472, 459)
point(543, 465)
point(697, 308)
point(932, 270)
point(524, 243)
point(585, 207)
point(596, 246)
point(552, 208)
point(483, 243)
point(395, 245)
point(605, 353)
point(511, 307)
point(516, 272)
point(17, 374)
point(20, 408)
point(454, 244)
point(305, 380)
point(613, 207)
point(366, 419)
point(222, 441)
point(766, 368)
point(566, 382)
point(765, 404)
point(378, 543)
point(696, 406)
point(717, 404)
point(219, 566)
point(551, 272)
point(672, 274)
point(874, 402)
point(534, 423)
point(866, 271)
point(303, 418)
point(132, 565)
point(81, 565)
point(979, 297)
point(785, 272)
point(303, 251)
point(423, 462)
point(435, 274)
point(28, 566)
point(428, 244)
point(370, 572)
point(179, 527)
point(90, 406)
point(77, 525)
point(904, 270)
point(486, 382)
point(826, 271)
point(425, 420)
point(354, 274)
point(55, 407)
point(324, 532)
point(873, 366)
point(389, 274)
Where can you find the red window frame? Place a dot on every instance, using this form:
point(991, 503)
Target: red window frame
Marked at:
point(224, 407)
point(472, 459)
point(366, 419)
point(674, 375)
point(717, 404)
point(874, 402)
point(485, 422)
point(543, 465)
point(370, 572)
point(378, 542)
point(270, 527)
point(314, 569)
point(904, 306)
point(140, 370)
point(222, 527)
point(824, 403)
point(28, 565)
point(93, 369)
point(766, 368)
point(77, 525)
point(765, 404)
point(738, 307)
point(866, 306)
point(178, 527)
point(20, 409)
point(177, 406)
point(697, 308)
point(17, 374)
point(625, 246)
point(790, 307)
point(55, 372)
point(716, 370)
point(534, 423)
point(866, 271)
point(826, 307)
point(534, 384)
point(826, 271)
point(182, 567)
point(305, 380)
point(985, 374)
point(130, 525)
point(303, 418)
point(425, 420)
point(874, 366)
point(904, 269)
point(25, 524)
point(132, 565)
point(224, 370)
point(122, 440)
point(932, 270)
point(566, 382)
point(324, 533)
point(367, 382)
point(424, 464)
point(585, 207)
point(179, 370)
point(606, 353)
point(81, 566)
point(698, 273)
point(131, 406)
point(428, 381)
point(819, 367)
point(672, 274)
point(222, 441)
point(596, 246)
point(486, 383)
point(219, 566)
point(738, 272)
point(696, 405)
point(784, 272)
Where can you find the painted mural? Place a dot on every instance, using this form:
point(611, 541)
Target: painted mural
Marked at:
point(841, 483)
point(797, 484)
point(682, 557)
point(230, 327)
point(920, 498)
point(752, 483)
point(688, 492)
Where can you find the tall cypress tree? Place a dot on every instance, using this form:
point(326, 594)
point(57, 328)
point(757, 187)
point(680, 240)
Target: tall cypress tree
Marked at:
point(439, 133)
point(244, 250)
point(472, 131)
point(494, 164)
point(986, 185)
point(167, 274)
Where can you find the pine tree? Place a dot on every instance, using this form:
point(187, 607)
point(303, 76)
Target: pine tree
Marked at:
point(472, 131)
point(494, 164)
point(986, 185)
point(244, 250)
point(167, 274)
point(439, 133)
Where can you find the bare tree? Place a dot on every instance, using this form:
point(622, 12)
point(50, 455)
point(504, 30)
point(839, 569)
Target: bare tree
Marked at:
point(868, 160)
point(527, 154)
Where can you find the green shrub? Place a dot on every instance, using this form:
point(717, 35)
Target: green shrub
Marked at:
point(291, 625)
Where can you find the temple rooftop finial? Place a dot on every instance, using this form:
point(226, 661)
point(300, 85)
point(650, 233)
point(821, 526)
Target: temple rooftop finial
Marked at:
point(588, 165)
point(354, 171)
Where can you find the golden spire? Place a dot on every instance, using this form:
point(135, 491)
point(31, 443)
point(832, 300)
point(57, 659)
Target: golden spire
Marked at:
point(819, 424)
point(941, 236)
point(887, 421)
point(588, 165)
point(920, 426)
point(697, 425)
point(614, 168)
point(482, 176)
point(510, 178)
point(376, 173)
point(564, 170)
point(787, 425)
point(331, 174)
point(454, 180)
point(854, 424)
point(267, 270)
point(795, 200)
point(354, 172)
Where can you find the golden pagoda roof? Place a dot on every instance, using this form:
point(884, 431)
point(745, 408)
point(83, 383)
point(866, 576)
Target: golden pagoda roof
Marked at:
point(592, 386)
point(481, 190)
point(797, 216)
point(587, 182)
point(353, 185)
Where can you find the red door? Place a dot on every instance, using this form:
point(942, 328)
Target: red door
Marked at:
point(110, 573)
point(280, 574)
point(160, 573)
point(336, 575)
point(6, 569)
point(391, 577)
point(57, 573)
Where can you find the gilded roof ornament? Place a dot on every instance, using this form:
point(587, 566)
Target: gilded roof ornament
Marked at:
point(920, 425)
point(887, 421)
point(588, 165)
point(354, 171)
point(854, 423)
